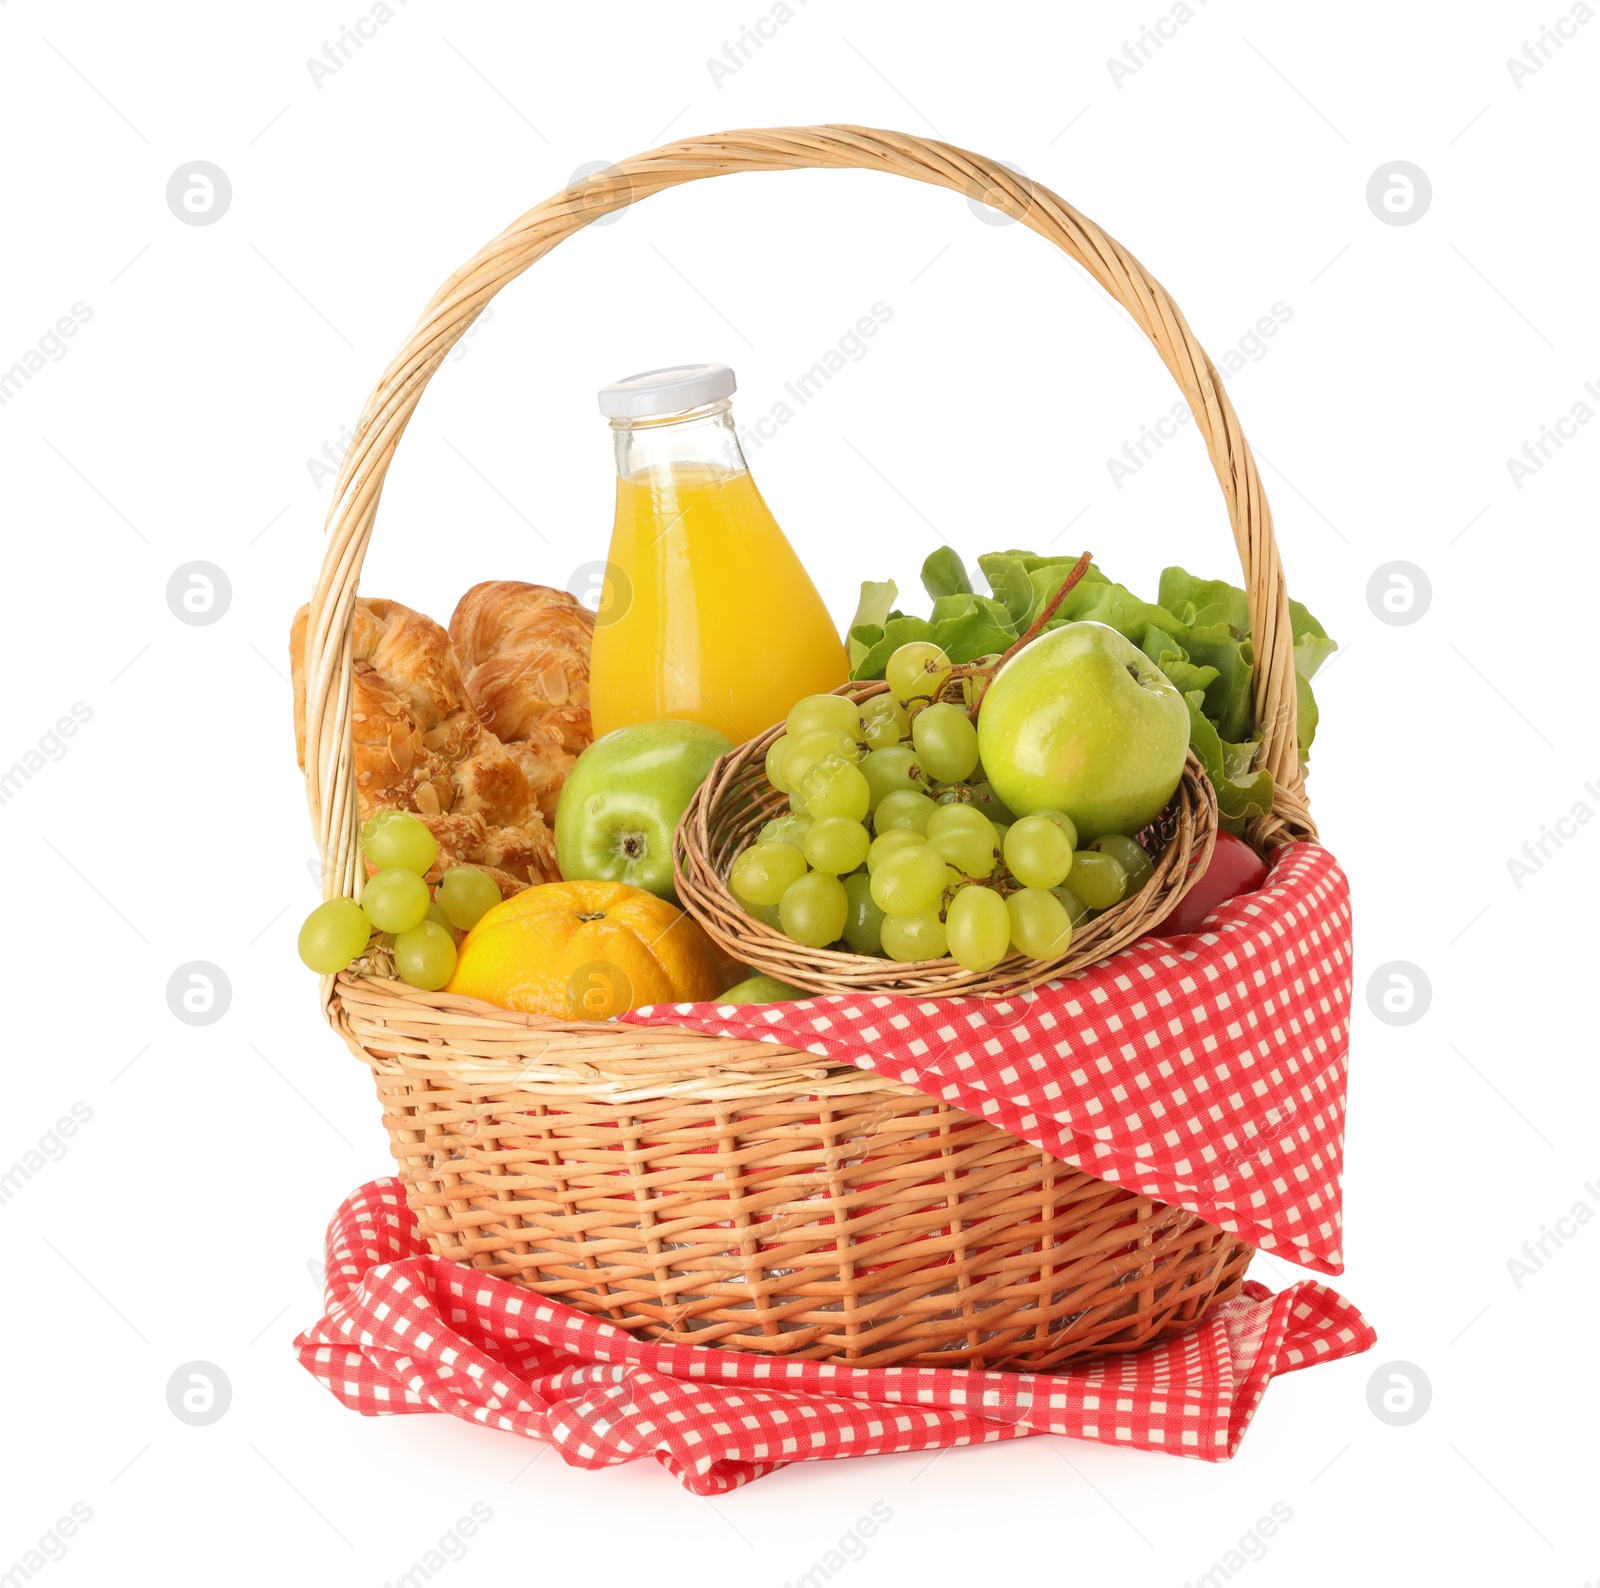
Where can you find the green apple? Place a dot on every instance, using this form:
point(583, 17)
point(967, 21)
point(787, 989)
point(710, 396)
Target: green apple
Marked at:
point(762, 990)
point(622, 800)
point(1082, 721)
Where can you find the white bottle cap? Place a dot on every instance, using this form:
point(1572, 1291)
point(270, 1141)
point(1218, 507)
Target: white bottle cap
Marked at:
point(674, 390)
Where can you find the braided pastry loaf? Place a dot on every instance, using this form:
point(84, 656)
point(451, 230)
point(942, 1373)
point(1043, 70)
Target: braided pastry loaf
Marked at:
point(421, 739)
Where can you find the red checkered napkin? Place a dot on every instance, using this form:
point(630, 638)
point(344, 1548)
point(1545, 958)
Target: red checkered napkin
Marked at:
point(409, 1332)
point(1206, 1071)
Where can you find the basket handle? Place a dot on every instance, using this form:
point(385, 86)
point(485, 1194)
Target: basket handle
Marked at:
point(330, 784)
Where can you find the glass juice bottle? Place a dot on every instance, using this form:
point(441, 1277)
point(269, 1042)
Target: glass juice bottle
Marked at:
point(707, 613)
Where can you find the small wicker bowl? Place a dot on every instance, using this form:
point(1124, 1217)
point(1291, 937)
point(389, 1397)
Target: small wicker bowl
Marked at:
point(735, 800)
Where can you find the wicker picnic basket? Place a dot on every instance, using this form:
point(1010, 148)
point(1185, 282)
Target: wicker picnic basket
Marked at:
point(726, 1192)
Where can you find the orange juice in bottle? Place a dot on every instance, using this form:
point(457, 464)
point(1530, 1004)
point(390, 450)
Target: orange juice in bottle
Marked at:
point(707, 613)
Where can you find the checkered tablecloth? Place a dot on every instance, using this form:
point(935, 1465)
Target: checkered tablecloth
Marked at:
point(1206, 1071)
point(409, 1332)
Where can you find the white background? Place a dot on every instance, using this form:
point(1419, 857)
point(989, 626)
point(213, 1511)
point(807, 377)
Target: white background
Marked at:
point(184, 1220)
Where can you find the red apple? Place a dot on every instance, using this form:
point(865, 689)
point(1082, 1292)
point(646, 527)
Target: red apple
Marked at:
point(1235, 868)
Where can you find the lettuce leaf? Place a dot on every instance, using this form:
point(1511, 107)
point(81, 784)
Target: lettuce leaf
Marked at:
point(1230, 701)
point(1203, 601)
point(966, 638)
point(944, 574)
point(1174, 661)
point(872, 612)
point(1312, 647)
point(1197, 633)
point(899, 630)
point(1242, 791)
point(1032, 564)
point(1011, 586)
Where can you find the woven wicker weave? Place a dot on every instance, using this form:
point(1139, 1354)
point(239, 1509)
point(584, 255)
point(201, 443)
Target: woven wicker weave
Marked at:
point(702, 1189)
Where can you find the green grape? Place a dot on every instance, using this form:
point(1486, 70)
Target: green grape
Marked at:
point(966, 818)
point(884, 722)
point(436, 914)
point(395, 899)
point(772, 915)
point(397, 838)
point(820, 712)
point(1130, 853)
point(1098, 879)
point(820, 749)
point(917, 671)
point(909, 881)
point(813, 909)
point(1064, 822)
point(885, 845)
point(1038, 853)
point(333, 934)
point(789, 829)
point(889, 770)
point(837, 790)
point(911, 811)
point(1040, 925)
point(1000, 831)
point(797, 804)
point(425, 955)
point(1077, 911)
point(946, 741)
point(763, 871)
point(986, 800)
point(978, 929)
point(863, 924)
point(913, 937)
point(775, 754)
point(837, 846)
point(969, 852)
point(467, 895)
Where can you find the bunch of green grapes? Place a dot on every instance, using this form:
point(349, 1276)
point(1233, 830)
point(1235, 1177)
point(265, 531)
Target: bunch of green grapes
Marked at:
point(425, 927)
point(895, 844)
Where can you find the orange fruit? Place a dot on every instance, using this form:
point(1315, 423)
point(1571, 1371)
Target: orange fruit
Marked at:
point(587, 951)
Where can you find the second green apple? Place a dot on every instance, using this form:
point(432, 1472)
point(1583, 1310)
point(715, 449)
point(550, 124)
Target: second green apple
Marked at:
point(623, 799)
point(1082, 721)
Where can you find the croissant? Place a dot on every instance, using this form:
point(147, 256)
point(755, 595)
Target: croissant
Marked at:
point(524, 654)
point(420, 746)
